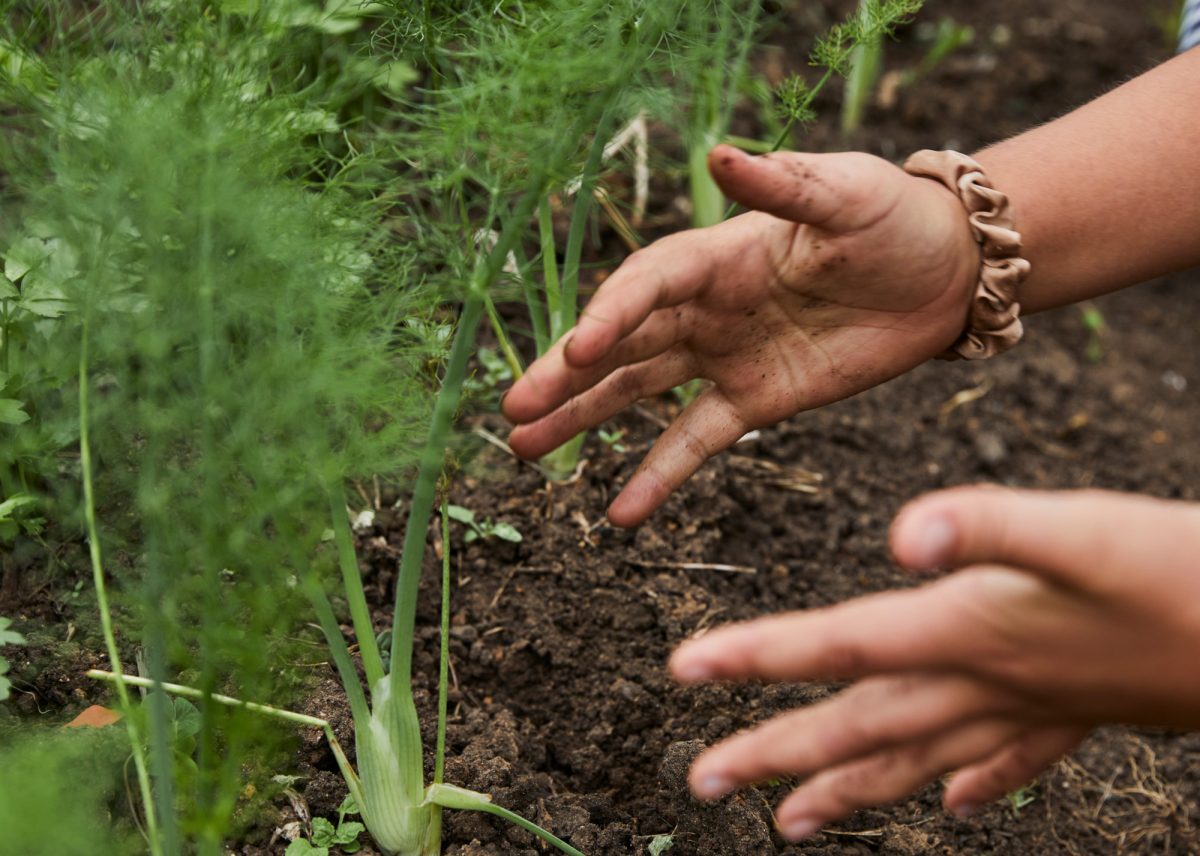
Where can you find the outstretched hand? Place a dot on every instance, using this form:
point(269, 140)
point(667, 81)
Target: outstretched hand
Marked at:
point(848, 272)
point(1070, 610)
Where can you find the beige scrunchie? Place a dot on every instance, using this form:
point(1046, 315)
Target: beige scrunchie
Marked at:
point(994, 325)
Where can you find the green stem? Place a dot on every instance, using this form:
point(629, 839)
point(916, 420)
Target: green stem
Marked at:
point(337, 648)
point(801, 111)
point(551, 284)
point(343, 762)
point(708, 202)
point(439, 758)
point(432, 463)
point(506, 348)
point(450, 796)
point(7, 334)
point(106, 624)
point(561, 463)
point(584, 200)
point(439, 771)
point(748, 40)
point(433, 453)
point(791, 123)
point(863, 74)
point(528, 825)
point(356, 598)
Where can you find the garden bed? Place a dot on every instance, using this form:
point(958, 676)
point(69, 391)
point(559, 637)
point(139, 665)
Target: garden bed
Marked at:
point(560, 704)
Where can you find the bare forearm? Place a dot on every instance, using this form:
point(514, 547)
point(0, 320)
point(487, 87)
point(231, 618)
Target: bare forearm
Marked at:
point(1109, 195)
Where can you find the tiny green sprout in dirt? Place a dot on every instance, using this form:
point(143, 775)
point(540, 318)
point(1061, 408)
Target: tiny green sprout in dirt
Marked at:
point(1021, 798)
point(613, 439)
point(7, 637)
point(481, 528)
point(325, 835)
point(1093, 322)
point(660, 844)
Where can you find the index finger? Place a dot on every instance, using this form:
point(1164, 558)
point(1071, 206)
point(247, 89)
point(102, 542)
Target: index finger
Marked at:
point(667, 273)
point(933, 627)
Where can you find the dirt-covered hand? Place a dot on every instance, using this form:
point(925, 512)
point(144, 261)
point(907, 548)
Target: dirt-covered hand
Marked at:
point(1068, 610)
point(847, 273)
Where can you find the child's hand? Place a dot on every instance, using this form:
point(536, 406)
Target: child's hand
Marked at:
point(855, 273)
point(1071, 610)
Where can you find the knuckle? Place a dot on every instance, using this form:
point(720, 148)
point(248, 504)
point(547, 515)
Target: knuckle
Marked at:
point(850, 736)
point(627, 385)
point(853, 786)
point(637, 259)
point(693, 444)
point(999, 777)
point(843, 657)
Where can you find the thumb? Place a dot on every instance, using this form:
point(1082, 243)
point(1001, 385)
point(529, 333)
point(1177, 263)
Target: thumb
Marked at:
point(840, 192)
point(1077, 538)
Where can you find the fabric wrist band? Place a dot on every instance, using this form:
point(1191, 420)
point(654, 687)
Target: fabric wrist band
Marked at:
point(994, 324)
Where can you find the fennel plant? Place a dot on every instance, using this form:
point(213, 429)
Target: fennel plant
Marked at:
point(215, 228)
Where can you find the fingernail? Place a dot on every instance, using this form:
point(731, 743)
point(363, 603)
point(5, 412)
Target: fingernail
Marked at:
point(570, 337)
point(934, 543)
point(692, 672)
point(965, 810)
point(800, 828)
point(712, 786)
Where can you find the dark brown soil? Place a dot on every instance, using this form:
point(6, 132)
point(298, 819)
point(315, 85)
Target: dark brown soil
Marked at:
point(561, 706)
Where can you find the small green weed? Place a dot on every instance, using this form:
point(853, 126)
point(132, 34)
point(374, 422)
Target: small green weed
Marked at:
point(326, 836)
point(660, 844)
point(494, 372)
point(482, 527)
point(1021, 798)
point(612, 439)
point(1093, 321)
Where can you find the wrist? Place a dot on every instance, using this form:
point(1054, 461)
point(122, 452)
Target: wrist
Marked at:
point(994, 323)
point(953, 231)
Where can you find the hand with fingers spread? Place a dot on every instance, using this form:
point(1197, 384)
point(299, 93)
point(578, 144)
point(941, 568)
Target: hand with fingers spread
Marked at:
point(847, 272)
point(1068, 610)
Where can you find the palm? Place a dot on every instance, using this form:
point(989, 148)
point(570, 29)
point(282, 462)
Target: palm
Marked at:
point(863, 275)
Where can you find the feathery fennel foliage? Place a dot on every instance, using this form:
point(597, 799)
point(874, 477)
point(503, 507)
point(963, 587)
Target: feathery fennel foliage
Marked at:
point(845, 50)
point(246, 350)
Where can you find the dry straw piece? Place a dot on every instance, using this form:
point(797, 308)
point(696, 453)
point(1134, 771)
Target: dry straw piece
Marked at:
point(994, 325)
